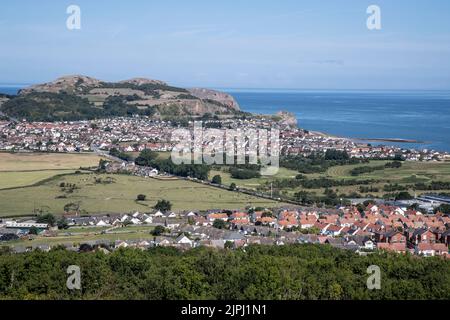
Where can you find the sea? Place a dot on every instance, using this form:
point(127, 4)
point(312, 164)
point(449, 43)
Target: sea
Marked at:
point(420, 116)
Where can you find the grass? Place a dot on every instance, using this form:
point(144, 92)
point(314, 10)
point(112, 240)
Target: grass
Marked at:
point(119, 197)
point(79, 235)
point(14, 179)
point(283, 173)
point(46, 161)
point(420, 171)
point(79, 239)
point(24, 169)
point(409, 174)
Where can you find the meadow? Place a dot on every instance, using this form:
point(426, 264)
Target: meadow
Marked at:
point(96, 194)
point(25, 169)
point(409, 174)
point(283, 173)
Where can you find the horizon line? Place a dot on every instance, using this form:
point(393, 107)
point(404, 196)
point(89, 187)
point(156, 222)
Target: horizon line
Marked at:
point(19, 85)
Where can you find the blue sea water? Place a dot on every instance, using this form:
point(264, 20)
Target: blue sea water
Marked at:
point(414, 115)
point(10, 89)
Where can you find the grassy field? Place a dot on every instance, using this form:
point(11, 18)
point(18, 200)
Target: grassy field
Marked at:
point(24, 169)
point(283, 173)
point(83, 238)
point(119, 196)
point(409, 174)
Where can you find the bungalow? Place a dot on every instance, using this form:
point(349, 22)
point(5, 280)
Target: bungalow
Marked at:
point(395, 247)
point(158, 214)
point(233, 236)
point(333, 230)
point(217, 216)
point(191, 214)
point(102, 223)
point(171, 215)
point(307, 222)
point(267, 221)
point(164, 242)
point(240, 222)
point(239, 216)
point(148, 219)
point(182, 239)
point(200, 221)
point(431, 249)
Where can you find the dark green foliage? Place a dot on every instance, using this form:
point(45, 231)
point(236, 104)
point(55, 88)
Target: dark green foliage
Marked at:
point(402, 195)
point(47, 106)
point(141, 197)
point(150, 89)
point(318, 163)
point(146, 158)
point(367, 169)
point(149, 158)
point(261, 272)
point(48, 218)
point(444, 208)
point(33, 230)
point(51, 107)
point(163, 205)
point(217, 179)
point(119, 154)
point(219, 224)
point(434, 185)
point(238, 173)
point(62, 223)
point(159, 230)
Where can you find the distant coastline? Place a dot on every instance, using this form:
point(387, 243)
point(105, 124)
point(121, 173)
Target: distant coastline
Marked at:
point(389, 140)
point(407, 119)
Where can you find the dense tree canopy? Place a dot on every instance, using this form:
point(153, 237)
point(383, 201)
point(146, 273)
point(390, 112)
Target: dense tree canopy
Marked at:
point(259, 272)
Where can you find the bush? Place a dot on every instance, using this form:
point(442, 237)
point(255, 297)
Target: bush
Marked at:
point(141, 197)
point(217, 179)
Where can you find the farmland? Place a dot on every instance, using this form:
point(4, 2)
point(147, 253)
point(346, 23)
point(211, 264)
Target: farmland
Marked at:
point(407, 175)
point(97, 194)
point(76, 236)
point(24, 169)
point(283, 173)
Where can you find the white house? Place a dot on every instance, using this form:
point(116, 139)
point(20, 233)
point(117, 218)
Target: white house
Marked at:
point(171, 215)
point(148, 220)
point(135, 221)
point(102, 223)
point(182, 239)
point(158, 214)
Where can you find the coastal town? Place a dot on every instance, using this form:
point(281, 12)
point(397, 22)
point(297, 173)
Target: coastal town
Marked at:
point(135, 134)
point(378, 227)
point(381, 226)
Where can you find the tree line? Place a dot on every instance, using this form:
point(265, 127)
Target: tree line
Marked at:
point(288, 272)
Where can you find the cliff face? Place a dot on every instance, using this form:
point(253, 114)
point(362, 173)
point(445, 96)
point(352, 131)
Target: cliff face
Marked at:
point(137, 95)
point(222, 97)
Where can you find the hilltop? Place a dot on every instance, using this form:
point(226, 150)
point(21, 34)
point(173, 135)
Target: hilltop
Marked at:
point(81, 97)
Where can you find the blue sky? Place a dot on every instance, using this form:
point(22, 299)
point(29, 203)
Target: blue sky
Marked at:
point(235, 44)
